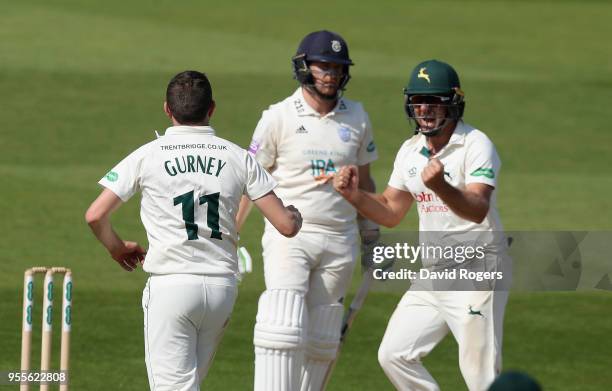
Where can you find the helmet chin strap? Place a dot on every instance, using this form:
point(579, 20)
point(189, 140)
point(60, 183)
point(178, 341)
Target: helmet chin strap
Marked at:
point(432, 132)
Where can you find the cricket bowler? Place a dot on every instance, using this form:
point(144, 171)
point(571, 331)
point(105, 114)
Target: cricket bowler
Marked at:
point(191, 183)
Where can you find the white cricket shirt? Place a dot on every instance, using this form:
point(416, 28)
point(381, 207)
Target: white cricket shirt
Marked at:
point(469, 157)
point(296, 145)
point(191, 183)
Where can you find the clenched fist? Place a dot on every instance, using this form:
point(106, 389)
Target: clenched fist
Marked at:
point(346, 182)
point(433, 175)
point(296, 217)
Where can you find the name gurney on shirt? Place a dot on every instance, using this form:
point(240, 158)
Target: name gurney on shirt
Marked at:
point(190, 163)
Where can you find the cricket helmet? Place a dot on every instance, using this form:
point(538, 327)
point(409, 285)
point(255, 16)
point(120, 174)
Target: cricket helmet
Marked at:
point(437, 79)
point(322, 46)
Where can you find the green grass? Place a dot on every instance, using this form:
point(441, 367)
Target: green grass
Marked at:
point(83, 84)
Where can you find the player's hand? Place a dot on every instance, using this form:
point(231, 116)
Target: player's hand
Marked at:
point(346, 182)
point(129, 255)
point(296, 216)
point(433, 175)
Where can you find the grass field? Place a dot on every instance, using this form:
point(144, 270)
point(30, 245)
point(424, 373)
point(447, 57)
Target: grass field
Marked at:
point(82, 85)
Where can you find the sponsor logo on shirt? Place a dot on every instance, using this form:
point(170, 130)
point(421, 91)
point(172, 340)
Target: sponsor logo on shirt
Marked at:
point(433, 208)
point(485, 172)
point(178, 147)
point(430, 203)
point(322, 167)
point(412, 172)
point(112, 176)
point(253, 147)
point(371, 147)
point(426, 197)
point(301, 130)
point(344, 133)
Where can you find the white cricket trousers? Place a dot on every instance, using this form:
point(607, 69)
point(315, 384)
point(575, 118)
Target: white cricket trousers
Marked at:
point(184, 319)
point(423, 318)
point(317, 264)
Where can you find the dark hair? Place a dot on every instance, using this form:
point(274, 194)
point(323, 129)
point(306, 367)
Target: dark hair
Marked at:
point(189, 97)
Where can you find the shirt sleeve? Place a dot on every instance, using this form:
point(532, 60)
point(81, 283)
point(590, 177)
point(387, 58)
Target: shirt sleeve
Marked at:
point(482, 163)
point(367, 150)
point(397, 179)
point(125, 178)
point(258, 181)
point(263, 144)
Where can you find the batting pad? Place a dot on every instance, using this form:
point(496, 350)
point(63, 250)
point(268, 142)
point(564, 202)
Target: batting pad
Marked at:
point(322, 344)
point(277, 370)
point(278, 339)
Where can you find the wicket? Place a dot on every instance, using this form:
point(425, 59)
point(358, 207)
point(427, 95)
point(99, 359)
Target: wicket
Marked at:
point(47, 316)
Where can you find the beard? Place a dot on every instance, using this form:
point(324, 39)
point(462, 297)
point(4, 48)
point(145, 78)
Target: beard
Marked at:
point(326, 91)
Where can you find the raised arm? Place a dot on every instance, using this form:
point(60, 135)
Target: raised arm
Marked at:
point(287, 220)
point(472, 203)
point(388, 208)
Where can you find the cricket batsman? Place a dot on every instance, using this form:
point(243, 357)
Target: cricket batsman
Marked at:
point(191, 183)
point(451, 170)
point(302, 141)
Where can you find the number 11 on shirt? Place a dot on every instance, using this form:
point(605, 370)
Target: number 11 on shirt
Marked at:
point(212, 215)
